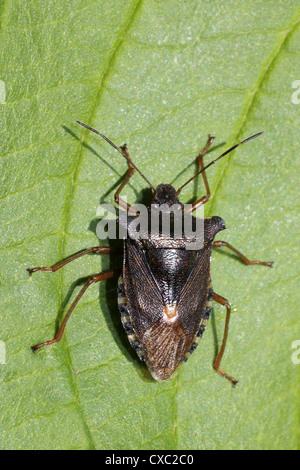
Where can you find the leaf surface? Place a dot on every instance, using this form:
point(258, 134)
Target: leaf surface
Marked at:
point(159, 76)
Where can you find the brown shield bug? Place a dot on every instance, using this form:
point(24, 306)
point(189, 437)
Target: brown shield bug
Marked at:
point(165, 292)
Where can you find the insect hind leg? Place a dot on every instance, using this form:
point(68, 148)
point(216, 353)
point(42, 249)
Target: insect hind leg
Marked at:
point(221, 300)
point(92, 280)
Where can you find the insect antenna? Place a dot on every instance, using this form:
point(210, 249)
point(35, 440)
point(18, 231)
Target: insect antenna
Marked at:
point(120, 151)
point(221, 156)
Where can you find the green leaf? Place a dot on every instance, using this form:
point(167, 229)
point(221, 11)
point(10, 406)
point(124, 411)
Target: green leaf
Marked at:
point(160, 76)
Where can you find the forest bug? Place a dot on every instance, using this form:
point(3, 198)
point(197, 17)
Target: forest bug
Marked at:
point(164, 291)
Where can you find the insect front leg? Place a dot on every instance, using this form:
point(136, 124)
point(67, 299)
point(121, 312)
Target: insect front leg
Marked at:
point(92, 280)
point(57, 266)
point(205, 198)
point(219, 244)
point(221, 300)
point(129, 174)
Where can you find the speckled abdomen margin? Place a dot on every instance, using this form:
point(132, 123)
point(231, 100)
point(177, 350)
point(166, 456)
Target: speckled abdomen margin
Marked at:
point(126, 321)
point(203, 322)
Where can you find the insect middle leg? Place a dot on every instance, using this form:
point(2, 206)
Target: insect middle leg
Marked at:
point(219, 244)
point(205, 198)
point(92, 280)
point(221, 300)
point(95, 249)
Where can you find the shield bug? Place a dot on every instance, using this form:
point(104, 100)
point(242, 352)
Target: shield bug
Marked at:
point(165, 292)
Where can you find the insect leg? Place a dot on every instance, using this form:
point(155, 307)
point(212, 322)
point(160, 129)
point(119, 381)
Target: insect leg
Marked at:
point(57, 266)
point(219, 244)
point(221, 300)
point(92, 280)
point(129, 174)
point(121, 150)
point(205, 198)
